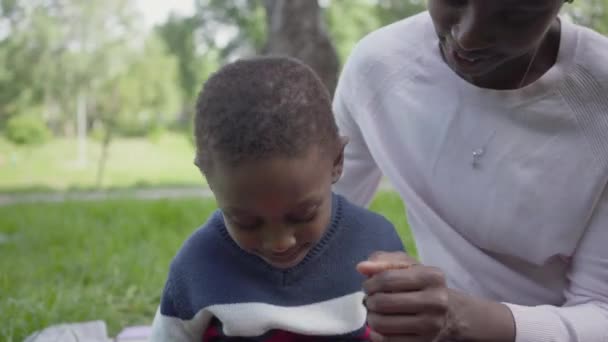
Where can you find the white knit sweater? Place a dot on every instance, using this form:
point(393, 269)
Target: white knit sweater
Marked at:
point(528, 225)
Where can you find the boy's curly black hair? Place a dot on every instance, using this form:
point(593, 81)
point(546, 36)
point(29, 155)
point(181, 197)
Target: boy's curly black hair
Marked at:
point(259, 108)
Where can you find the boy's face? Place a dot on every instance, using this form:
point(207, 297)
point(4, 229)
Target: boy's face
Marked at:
point(477, 36)
point(278, 209)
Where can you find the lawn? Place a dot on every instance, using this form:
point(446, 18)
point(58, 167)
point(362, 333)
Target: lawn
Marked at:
point(100, 260)
point(133, 162)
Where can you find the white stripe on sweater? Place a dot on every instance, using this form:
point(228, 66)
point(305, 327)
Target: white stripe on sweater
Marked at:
point(337, 316)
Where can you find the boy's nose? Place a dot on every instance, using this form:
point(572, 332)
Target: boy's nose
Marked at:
point(280, 244)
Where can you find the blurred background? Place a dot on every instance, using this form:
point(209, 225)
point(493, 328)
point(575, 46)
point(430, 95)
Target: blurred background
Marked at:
point(97, 185)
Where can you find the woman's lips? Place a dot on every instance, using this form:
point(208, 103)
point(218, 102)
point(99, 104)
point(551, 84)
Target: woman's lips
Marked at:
point(469, 63)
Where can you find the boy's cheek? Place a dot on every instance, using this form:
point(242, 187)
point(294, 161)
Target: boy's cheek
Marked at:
point(247, 241)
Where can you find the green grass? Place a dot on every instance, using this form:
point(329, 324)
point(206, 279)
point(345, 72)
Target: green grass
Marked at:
point(390, 205)
point(70, 262)
point(133, 162)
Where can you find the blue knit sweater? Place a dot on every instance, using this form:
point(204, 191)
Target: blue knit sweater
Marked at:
point(216, 291)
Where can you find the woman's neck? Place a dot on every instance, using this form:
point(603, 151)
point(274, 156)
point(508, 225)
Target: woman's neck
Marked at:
point(526, 69)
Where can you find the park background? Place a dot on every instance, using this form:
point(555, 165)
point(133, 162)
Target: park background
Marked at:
point(97, 185)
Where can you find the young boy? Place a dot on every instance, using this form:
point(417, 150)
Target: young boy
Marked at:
point(277, 261)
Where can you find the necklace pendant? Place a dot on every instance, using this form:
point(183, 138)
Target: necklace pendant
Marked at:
point(477, 154)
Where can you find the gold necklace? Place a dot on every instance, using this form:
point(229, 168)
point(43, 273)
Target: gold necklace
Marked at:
point(523, 79)
point(479, 152)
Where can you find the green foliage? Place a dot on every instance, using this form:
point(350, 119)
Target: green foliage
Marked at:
point(27, 129)
point(145, 94)
point(195, 60)
point(52, 52)
point(99, 260)
point(591, 13)
point(389, 11)
point(245, 18)
point(390, 205)
point(98, 132)
point(155, 133)
point(56, 51)
point(178, 35)
point(348, 21)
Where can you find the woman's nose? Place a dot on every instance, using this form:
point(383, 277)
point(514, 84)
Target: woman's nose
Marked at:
point(472, 32)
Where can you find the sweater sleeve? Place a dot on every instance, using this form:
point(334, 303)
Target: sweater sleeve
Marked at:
point(361, 176)
point(166, 328)
point(584, 316)
point(172, 322)
point(167, 325)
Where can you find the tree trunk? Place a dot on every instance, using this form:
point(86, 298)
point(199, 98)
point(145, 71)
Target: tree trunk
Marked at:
point(81, 128)
point(296, 28)
point(105, 151)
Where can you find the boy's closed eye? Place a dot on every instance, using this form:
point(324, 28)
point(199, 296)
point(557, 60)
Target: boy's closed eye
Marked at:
point(250, 222)
point(306, 215)
point(244, 222)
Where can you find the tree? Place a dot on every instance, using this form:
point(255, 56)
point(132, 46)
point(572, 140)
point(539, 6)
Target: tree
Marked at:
point(389, 11)
point(79, 63)
point(144, 94)
point(279, 27)
point(297, 29)
point(30, 41)
point(98, 32)
point(350, 20)
point(591, 13)
point(179, 35)
point(58, 53)
point(235, 28)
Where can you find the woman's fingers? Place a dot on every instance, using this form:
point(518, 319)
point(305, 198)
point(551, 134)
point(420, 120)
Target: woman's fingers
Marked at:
point(417, 325)
point(383, 261)
point(405, 301)
point(408, 303)
point(376, 337)
point(415, 278)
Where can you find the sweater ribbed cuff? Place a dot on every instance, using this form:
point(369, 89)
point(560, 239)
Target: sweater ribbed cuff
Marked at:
point(534, 324)
point(585, 323)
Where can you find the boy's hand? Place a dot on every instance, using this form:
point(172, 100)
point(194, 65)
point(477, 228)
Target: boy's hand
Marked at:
point(406, 301)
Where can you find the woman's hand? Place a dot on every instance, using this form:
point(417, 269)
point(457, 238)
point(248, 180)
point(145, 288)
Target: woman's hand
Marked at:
point(406, 301)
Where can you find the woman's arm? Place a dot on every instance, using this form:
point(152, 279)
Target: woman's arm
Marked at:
point(476, 319)
point(415, 301)
point(361, 176)
point(584, 316)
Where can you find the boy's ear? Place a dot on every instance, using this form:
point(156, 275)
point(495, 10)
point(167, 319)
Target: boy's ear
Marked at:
point(338, 166)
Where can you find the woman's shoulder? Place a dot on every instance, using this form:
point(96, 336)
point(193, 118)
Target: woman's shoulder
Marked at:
point(405, 35)
point(394, 52)
point(583, 58)
point(591, 53)
point(393, 45)
point(585, 86)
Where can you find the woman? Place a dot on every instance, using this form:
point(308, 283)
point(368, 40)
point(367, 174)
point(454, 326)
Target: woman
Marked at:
point(490, 118)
